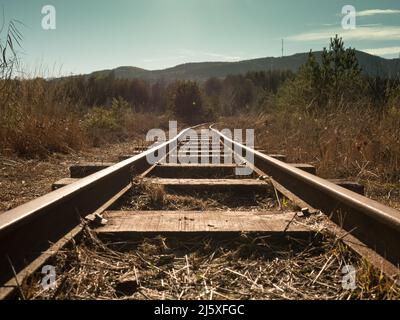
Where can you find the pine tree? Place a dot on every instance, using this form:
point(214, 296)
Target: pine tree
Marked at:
point(186, 101)
point(333, 81)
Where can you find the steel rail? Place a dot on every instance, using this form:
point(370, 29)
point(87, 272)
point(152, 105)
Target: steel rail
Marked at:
point(29, 230)
point(373, 223)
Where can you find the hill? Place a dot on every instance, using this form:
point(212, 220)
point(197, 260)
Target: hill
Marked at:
point(201, 71)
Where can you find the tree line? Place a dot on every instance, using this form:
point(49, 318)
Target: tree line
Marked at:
point(334, 82)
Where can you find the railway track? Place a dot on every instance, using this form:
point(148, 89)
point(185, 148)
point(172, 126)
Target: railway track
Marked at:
point(33, 233)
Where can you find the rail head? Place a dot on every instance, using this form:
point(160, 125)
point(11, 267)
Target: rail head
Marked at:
point(12, 219)
point(31, 226)
point(373, 223)
point(377, 210)
point(30, 229)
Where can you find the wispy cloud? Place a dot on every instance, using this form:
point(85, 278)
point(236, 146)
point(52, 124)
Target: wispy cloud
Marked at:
point(223, 57)
point(360, 33)
point(185, 56)
point(164, 58)
point(383, 51)
point(369, 25)
point(374, 12)
point(210, 55)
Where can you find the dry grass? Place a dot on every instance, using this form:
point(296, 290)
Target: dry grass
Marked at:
point(384, 192)
point(37, 119)
point(359, 145)
point(146, 196)
point(341, 144)
point(246, 267)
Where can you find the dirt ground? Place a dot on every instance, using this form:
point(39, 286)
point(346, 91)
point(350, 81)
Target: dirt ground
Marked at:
point(243, 268)
point(22, 180)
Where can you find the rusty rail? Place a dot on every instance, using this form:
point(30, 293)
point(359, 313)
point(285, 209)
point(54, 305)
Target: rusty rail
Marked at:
point(29, 230)
point(373, 223)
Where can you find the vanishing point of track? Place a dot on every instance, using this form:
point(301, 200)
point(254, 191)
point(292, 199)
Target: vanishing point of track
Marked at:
point(32, 233)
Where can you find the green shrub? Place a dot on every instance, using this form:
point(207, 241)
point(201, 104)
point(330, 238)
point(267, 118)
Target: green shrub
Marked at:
point(334, 83)
point(100, 124)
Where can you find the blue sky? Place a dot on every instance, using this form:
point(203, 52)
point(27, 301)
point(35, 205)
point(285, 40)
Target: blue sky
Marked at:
point(153, 34)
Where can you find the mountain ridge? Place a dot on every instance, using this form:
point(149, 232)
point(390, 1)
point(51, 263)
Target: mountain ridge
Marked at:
point(201, 71)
